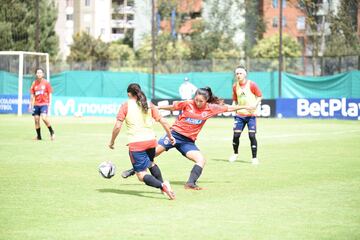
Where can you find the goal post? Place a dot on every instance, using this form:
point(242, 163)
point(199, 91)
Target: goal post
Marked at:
point(26, 66)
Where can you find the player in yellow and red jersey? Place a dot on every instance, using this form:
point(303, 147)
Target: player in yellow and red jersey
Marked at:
point(187, 126)
point(139, 116)
point(40, 99)
point(245, 93)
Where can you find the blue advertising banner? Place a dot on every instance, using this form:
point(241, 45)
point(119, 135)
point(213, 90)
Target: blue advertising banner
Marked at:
point(9, 104)
point(85, 106)
point(338, 108)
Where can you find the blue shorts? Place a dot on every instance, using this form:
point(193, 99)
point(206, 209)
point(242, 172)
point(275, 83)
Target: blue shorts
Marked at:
point(240, 123)
point(38, 110)
point(183, 144)
point(141, 160)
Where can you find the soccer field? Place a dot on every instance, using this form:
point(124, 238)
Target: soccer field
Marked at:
point(307, 185)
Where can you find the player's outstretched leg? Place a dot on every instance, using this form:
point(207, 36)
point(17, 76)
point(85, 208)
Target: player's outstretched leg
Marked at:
point(153, 182)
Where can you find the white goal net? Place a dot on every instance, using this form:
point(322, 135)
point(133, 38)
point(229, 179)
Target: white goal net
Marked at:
point(17, 71)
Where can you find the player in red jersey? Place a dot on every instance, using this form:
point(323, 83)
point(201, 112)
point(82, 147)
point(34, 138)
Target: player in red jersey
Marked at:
point(187, 126)
point(40, 100)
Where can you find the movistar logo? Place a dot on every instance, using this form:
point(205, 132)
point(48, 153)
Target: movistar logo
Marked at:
point(61, 109)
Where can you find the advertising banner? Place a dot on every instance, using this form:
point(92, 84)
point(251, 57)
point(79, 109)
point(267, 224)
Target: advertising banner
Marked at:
point(266, 109)
point(338, 108)
point(9, 104)
point(85, 106)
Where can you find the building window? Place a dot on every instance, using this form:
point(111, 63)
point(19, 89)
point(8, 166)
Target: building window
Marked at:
point(301, 41)
point(300, 23)
point(130, 17)
point(118, 2)
point(284, 21)
point(102, 31)
point(117, 30)
point(275, 22)
point(275, 3)
point(69, 17)
point(87, 2)
point(130, 3)
point(117, 16)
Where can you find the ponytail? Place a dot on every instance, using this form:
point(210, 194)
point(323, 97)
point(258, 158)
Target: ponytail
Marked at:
point(209, 96)
point(135, 90)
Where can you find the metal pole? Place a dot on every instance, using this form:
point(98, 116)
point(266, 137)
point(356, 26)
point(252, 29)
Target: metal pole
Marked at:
point(37, 32)
point(20, 83)
point(280, 45)
point(48, 78)
point(153, 47)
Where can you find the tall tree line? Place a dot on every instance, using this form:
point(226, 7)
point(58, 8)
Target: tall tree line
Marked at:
point(18, 26)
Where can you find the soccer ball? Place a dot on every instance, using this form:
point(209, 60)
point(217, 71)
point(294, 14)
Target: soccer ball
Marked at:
point(107, 169)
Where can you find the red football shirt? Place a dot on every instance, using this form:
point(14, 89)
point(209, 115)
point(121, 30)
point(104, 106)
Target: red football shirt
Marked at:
point(191, 120)
point(41, 91)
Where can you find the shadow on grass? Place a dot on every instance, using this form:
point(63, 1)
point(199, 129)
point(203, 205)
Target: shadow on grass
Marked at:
point(226, 160)
point(182, 183)
point(131, 192)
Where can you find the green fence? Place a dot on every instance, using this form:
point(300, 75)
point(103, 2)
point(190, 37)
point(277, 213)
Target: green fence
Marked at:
point(114, 84)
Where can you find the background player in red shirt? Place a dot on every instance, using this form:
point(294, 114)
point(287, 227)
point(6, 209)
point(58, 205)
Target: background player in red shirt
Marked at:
point(187, 126)
point(40, 100)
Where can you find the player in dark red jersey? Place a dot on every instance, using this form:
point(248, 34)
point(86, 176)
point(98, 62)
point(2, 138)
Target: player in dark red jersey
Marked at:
point(40, 99)
point(187, 126)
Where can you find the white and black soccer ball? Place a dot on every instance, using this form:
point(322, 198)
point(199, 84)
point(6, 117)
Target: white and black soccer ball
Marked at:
point(107, 169)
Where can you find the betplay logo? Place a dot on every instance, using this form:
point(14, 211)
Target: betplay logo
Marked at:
point(327, 108)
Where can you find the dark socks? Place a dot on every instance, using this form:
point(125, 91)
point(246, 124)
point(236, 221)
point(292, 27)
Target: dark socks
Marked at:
point(253, 144)
point(51, 130)
point(152, 181)
point(195, 174)
point(38, 133)
point(236, 142)
point(155, 171)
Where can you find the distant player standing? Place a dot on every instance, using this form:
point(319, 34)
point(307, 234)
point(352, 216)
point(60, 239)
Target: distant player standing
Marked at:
point(245, 93)
point(138, 115)
point(40, 100)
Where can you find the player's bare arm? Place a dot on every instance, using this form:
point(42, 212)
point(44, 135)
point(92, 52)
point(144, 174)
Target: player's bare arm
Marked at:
point(166, 127)
point(166, 107)
point(115, 133)
point(232, 108)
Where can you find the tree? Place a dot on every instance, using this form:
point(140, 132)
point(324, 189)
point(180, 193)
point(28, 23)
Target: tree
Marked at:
point(85, 48)
point(254, 25)
point(169, 52)
point(18, 26)
point(120, 55)
point(316, 27)
point(268, 48)
point(211, 44)
point(344, 39)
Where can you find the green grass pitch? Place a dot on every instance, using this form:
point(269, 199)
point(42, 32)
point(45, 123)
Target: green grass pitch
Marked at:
point(307, 185)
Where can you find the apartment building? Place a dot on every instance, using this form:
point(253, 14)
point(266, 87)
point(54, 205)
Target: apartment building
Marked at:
point(109, 20)
point(294, 20)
